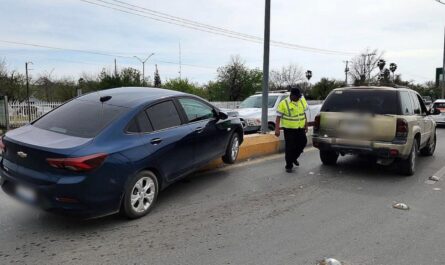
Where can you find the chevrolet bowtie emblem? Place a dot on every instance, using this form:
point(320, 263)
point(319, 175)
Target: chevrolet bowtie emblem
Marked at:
point(22, 154)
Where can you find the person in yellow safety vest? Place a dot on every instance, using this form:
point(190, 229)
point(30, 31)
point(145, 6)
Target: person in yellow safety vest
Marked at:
point(291, 117)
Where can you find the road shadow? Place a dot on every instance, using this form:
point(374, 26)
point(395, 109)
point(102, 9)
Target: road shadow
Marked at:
point(175, 194)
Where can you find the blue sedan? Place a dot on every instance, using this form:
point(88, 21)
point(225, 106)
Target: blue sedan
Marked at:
point(114, 150)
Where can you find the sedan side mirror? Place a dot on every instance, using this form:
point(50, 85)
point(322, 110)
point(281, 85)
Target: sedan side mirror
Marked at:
point(219, 115)
point(222, 116)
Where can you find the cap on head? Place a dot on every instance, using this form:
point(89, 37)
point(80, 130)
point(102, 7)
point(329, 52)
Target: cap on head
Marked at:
point(295, 91)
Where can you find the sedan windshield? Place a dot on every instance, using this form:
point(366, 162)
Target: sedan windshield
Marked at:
point(256, 102)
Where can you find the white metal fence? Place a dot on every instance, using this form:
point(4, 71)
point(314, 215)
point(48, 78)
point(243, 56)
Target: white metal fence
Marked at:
point(19, 114)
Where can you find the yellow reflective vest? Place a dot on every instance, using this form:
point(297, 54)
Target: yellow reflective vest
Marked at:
point(292, 113)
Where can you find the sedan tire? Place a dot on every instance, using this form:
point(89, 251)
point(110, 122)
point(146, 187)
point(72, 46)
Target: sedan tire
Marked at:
point(232, 150)
point(140, 195)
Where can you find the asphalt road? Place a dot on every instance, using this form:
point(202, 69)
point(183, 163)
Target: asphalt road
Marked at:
point(254, 213)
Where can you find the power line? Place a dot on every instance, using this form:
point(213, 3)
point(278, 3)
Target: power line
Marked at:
point(63, 49)
point(165, 18)
point(93, 52)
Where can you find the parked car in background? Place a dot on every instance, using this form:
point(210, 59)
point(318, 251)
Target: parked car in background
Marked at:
point(250, 111)
point(114, 150)
point(428, 101)
point(438, 108)
point(392, 125)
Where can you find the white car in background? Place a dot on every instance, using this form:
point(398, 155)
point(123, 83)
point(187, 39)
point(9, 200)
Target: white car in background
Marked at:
point(438, 110)
point(249, 111)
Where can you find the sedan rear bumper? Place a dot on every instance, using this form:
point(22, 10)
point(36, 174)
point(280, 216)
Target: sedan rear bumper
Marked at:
point(67, 197)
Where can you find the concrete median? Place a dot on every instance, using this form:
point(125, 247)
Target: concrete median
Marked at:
point(258, 145)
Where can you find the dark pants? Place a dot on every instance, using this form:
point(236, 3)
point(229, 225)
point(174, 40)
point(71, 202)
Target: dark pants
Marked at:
point(295, 141)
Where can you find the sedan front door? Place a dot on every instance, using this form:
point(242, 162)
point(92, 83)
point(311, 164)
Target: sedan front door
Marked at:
point(210, 134)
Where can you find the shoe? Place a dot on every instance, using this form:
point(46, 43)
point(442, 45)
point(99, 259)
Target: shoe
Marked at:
point(297, 163)
point(289, 170)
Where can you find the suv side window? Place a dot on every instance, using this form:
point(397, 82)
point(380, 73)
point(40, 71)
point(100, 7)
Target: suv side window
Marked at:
point(196, 110)
point(163, 115)
point(423, 108)
point(416, 104)
point(406, 103)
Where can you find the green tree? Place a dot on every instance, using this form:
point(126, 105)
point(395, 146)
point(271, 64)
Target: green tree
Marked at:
point(184, 85)
point(322, 88)
point(235, 81)
point(157, 78)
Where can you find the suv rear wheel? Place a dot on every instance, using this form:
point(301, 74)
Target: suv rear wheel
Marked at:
point(408, 166)
point(430, 148)
point(328, 157)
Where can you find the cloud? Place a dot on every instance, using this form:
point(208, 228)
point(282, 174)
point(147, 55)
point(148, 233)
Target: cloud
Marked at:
point(410, 31)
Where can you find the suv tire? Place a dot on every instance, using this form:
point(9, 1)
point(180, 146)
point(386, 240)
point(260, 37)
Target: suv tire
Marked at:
point(328, 157)
point(408, 166)
point(232, 150)
point(430, 148)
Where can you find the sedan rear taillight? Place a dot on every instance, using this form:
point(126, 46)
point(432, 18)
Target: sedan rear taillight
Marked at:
point(402, 129)
point(85, 163)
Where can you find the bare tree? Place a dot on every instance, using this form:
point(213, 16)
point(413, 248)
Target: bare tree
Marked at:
point(364, 67)
point(287, 76)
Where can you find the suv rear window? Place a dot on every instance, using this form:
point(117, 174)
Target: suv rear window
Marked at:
point(363, 101)
point(79, 118)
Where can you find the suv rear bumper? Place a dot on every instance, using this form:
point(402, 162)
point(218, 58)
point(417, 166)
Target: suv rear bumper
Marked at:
point(378, 149)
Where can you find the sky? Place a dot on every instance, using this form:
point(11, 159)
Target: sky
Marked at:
point(410, 32)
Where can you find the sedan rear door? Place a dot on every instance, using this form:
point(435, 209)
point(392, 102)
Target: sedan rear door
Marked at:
point(168, 142)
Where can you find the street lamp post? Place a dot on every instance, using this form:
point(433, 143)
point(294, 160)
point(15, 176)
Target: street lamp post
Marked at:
point(393, 68)
point(143, 65)
point(443, 66)
point(309, 76)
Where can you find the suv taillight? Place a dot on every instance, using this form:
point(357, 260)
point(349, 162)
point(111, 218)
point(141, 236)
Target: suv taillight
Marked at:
point(317, 124)
point(2, 146)
point(402, 129)
point(85, 163)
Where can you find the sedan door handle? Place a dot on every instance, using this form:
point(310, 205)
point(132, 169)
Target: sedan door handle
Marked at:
point(156, 141)
point(199, 129)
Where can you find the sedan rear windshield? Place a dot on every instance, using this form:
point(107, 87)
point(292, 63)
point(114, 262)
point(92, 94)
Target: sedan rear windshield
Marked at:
point(362, 101)
point(79, 118)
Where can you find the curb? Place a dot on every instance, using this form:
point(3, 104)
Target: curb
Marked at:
point(257, 145)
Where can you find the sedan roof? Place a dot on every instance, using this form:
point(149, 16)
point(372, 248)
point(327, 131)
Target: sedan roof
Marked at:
point(130, 96)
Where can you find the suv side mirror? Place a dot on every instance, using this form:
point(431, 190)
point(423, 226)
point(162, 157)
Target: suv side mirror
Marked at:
point(435, 111)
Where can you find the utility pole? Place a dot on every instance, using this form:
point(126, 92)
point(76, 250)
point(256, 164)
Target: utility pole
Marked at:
point(180, 62)
point(369, 70)
point(443, 69)
point(266, 52)
point(143, 65)
point(346, 72)
point(27, 91)
point(115, 68)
